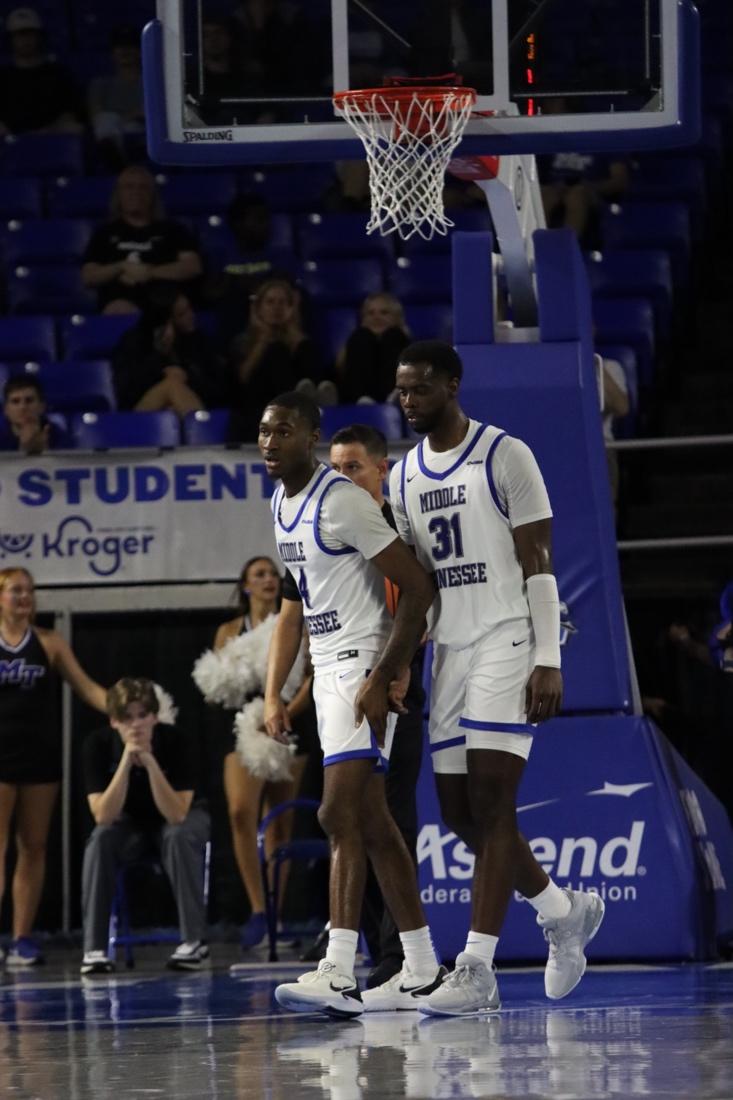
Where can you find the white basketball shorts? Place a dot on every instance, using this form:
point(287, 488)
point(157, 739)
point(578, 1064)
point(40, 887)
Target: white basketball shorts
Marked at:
point(477, 698)
point(334, 691)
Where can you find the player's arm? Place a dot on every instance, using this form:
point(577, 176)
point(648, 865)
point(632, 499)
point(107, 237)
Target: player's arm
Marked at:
point(417, 592)
point(533, 542)
point(284, 647)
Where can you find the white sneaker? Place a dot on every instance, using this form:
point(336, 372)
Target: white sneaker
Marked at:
point(403, 991)
point(471, 990)
point(189, 956)
point(326, 990)
point(96, 962)
point(567, 937)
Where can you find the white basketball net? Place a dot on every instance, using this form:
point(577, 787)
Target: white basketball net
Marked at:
point(408, 142)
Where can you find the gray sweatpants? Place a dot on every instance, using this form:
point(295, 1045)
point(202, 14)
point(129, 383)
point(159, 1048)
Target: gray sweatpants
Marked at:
point(181, 851)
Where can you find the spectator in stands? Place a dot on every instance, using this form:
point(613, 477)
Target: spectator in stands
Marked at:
point(138, 248)
point(231, 289)
point(140, 782)
point(166, 362)
point(30, 747)
point(718, 650)
point(365, 367)
point(614, 394)
point(115, 102)
point(37, 94)
point(272, 355)
point(27, 427)
point(573, 187)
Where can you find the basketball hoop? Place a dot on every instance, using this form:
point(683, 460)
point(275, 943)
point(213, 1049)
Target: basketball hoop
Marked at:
point(409, 132)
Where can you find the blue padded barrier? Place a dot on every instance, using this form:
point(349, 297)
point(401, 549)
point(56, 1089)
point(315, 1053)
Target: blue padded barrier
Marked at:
point(473, 299)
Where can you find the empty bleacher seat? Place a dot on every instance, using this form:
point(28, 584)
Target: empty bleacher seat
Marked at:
point(297, 188)
point(58, 290)
point(88, 197)
point(421, 279)
point(196, 193)
point(42, 155)
point(19, 198)
point(635, 273)
point(331, 236)
point(101, 431)
point(93, 337)
point(387, 418)
point(27, 339)
point(628, 321)
point(73, 387)
point(676, 178)
point(342, 282)
point(206, 427)
point(51, 241)
point(637, 224)
point(219, 244)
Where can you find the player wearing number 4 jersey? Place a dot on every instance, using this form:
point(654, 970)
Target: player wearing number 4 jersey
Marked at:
point(333, 538)
point(472, 502)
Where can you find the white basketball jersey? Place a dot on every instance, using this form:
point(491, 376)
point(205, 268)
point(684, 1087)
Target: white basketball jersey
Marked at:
point(343, 594)
point(457, 513)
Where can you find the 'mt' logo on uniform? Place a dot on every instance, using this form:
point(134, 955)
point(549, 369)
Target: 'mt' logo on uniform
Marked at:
point(19, 673)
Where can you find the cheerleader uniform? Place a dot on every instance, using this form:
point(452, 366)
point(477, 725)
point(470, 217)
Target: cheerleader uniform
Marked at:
point(30, 740)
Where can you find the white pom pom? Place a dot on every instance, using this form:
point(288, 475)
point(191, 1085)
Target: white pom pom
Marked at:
point(261, 755)
point(228, 675)
point(167, 709)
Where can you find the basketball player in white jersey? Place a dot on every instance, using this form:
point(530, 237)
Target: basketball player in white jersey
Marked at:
point(471, 501)
point(332, 537)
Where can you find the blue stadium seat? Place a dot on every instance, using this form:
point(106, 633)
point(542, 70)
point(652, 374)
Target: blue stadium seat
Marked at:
point(625, 427)
point(332, 328)
point(101, 431)
point(57, 290)
point(42, 155)
point(93, 337)
point(27, 339)
point(296, 189)
point(19, 198)
point(628, 321)
point(430, 322)
point(73, 387)
point(342, 282)
point(8, 441)
point(334, 236)
point(468, 221)
point(4, 375)
point(680, 178)
point(53, 241)
point(422, 279)
point(387, 418)
point(196, 192)
point(635, 273)
point(664, 225)
point(206, 427)
point(88, 197)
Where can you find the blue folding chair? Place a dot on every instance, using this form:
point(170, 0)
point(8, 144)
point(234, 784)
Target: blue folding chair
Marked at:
point(196, 192)
point(422, 278)
point(206, 427)
point(74, 387)
point(339, 236)
point(43, 289)
point(342, 282)
point(636, 273)
point(53, 241)
point(88, 197)
point(27, 339)
point(42, 155)
point(20, 198)
point(306, 849)
point(387, 418)
point(93, 337)
point(102, 431)
point(628, 321)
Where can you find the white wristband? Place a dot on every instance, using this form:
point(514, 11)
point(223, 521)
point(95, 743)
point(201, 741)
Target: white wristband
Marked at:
point(544, 610)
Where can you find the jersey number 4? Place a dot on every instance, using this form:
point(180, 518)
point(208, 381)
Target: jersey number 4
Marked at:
point(303, 589)
point(448, 536)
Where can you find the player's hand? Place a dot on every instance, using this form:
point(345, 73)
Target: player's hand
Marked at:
point(544, 694)
point(397, 691)
point(277, 720)
point(372, 703)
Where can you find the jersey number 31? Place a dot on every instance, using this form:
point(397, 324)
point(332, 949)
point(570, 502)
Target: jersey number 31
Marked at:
point(448, 536)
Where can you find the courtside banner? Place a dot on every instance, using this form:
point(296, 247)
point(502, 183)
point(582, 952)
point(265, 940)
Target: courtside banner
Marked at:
point(134, 516)
point(608, 806)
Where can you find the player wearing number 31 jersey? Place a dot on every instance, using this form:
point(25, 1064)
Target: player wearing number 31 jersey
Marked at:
point(471, 501)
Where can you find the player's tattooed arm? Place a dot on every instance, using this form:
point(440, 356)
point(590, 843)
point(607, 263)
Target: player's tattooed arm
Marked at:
point(417, 592)
point(284, 648)
point(533, 542)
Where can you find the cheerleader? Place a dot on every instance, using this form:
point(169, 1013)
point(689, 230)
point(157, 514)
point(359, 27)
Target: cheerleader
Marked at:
point(30, 746)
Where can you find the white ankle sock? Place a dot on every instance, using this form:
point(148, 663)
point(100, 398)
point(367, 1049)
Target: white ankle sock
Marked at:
point(342, 949)
point(552, 904)
point(419, 951)
point(482, 946)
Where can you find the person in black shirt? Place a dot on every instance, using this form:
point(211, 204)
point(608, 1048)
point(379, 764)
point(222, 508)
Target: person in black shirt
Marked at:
point(139, 778)
point(26, 426)
point(37, 95)
point(138, 248)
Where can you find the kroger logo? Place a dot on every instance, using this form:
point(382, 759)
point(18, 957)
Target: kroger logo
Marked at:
point(103, 551)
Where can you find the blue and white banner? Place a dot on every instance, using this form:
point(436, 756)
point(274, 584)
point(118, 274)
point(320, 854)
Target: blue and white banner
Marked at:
point(607, 806)
point(131, 517)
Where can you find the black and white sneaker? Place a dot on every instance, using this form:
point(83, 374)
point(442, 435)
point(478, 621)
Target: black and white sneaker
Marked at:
point(189, 956)
point(96, 962)
point(323, 990)
point(403, 992)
